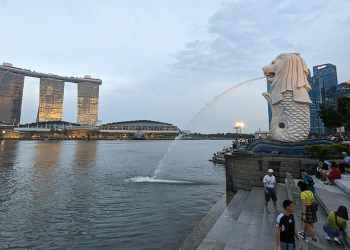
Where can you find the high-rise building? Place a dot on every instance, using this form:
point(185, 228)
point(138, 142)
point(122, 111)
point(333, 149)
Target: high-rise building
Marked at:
point(269, 111)
point(88, 94)
point(11, 93)
point(316, 96)
point(51, 100)
point(328, 73)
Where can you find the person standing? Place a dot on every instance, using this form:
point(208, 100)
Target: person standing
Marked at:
point(308, 180)
point(308, 217)
point(286, 229)
point(336, 222)
point(270, 186)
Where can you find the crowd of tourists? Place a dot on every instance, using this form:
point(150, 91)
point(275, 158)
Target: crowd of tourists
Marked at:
point(235, 144)
point(286, 230)
point(330, 171)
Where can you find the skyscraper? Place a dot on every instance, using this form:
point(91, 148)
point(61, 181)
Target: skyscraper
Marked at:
point(328, 73)
point(11, 93)
point(88, 94)
point(316, 96)
point(51, 100)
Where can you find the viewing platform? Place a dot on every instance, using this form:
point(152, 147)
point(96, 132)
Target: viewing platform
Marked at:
point(87, 79)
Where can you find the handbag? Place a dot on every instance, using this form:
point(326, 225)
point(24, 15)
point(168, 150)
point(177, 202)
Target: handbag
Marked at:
point(314, 205)
point(336, 221)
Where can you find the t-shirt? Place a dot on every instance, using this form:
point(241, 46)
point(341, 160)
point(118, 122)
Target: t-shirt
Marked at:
point(308, 196)
point(331, 221)
point(310, 187)
point(347, 159)
point(269, 181)
point(335, 174)
point(286, 223)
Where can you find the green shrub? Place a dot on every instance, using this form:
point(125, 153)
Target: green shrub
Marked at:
point(318, 151)
point(340, 147)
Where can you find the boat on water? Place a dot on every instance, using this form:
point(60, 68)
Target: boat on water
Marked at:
point(218, 159)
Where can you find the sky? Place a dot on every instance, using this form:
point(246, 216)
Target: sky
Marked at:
point(166, 60)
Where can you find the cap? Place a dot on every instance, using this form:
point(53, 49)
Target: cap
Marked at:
point(270, 170)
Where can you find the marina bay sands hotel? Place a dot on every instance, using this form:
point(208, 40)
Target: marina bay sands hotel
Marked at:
point(50, 98)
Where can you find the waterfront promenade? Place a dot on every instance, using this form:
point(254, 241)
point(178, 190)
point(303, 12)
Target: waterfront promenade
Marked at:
point(243, 224)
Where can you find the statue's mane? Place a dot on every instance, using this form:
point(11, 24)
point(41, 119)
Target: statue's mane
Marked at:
point(292, 76)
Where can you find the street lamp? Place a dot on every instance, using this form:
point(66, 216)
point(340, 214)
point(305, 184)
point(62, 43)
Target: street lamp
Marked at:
point(239, 126)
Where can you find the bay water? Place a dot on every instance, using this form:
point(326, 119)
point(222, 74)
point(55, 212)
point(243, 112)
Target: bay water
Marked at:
point(105, 194)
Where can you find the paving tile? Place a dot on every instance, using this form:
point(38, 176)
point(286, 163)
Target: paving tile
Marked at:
point(254, 230)
point(225, 236)
point(236, 240)
point(251, 242)
point(207, 245)
point(214, 234)
point(240, 229)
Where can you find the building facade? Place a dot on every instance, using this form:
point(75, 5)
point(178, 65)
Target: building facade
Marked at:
point(51, 95)
point(88, 94)
point(11, 93)
point(316, 96)
point(328, 73)
point(50, 100)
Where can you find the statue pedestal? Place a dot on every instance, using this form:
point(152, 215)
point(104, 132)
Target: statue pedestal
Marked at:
point(268, 146)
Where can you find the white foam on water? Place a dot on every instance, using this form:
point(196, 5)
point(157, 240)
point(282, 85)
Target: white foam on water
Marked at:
point(150, 179)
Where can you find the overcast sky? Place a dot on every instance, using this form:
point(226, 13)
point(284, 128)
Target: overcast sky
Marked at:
point(164, 60)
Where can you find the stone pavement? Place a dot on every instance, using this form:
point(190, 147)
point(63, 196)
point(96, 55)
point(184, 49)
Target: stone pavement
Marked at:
point(243, 224)
point(331, 197)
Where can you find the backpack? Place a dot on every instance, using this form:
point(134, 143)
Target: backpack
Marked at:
point(318, 175)
point(310, 180)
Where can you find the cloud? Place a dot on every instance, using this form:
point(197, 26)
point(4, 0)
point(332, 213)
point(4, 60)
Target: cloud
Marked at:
point(243, 35)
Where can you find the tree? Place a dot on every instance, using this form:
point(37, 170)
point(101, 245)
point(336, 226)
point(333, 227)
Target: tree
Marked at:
point(344, 110)
point(330, 117)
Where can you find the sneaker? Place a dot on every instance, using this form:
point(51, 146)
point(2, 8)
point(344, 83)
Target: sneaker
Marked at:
point(326, 183)
point(307, 241)
point(328, 238)
point(301, 234)
point(337, 240)
point(267, 212)
point(276, 212)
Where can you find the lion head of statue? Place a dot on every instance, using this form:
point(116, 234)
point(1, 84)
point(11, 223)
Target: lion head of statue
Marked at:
point(288, 72)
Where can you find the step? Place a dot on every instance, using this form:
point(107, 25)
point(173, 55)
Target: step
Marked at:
point(247, 228)
point(218, 235)
point(267, 235)
point(344, 183)
point(330, 198)
point(318, 226)
point(195, 238)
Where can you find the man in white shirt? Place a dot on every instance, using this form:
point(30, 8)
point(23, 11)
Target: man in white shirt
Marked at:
point(270, 186)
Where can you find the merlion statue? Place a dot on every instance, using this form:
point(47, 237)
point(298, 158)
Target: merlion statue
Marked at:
point(288, 98)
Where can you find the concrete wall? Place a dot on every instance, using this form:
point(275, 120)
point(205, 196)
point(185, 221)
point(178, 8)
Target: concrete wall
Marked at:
point(244, 171)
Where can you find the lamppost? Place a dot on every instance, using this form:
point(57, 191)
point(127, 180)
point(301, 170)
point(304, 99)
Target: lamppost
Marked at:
point(239, 126)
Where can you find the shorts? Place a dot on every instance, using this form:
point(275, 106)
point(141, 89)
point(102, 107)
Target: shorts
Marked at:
point(271, 194)
point(287, 246)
